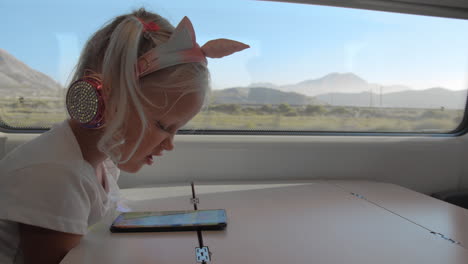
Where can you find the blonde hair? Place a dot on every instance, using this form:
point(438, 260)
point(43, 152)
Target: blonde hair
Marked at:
point(111, 54)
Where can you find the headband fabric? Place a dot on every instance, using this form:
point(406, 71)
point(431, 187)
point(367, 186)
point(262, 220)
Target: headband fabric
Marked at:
point(182, 48)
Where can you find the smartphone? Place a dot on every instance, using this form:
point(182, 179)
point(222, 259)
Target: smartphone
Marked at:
point(170, 221)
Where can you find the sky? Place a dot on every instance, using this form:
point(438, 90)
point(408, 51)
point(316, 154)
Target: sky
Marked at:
point(289, 43)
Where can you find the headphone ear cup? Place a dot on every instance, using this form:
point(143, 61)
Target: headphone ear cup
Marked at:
point(85, 102)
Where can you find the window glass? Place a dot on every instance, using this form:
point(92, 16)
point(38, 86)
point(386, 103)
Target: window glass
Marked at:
point(309, 68)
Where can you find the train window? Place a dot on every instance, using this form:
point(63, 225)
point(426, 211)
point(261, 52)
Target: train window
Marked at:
point(310, 68)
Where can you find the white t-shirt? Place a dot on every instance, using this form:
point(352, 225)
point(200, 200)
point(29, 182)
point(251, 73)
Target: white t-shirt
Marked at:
point(47, 183)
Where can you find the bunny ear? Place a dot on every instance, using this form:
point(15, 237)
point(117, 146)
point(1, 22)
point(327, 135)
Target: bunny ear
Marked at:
point(219, 48)
point(183, 36)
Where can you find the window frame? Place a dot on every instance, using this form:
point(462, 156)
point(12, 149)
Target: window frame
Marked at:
point(437, 8)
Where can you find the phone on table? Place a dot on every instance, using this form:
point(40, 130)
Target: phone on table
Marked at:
point(170, 221)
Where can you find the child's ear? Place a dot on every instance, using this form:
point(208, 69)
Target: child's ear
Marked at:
point(219, 48)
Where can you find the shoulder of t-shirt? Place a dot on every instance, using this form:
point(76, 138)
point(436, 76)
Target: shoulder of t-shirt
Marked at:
point(51, 195)
point(58, 172)
point(53, 146)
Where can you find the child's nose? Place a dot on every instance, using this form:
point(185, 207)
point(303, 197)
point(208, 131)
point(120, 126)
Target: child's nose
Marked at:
point(168, 143)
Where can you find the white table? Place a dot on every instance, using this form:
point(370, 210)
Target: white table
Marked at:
point(314, 222)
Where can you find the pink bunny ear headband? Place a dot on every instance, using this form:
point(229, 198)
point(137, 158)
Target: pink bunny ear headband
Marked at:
point(84, 97)
point(183, 48)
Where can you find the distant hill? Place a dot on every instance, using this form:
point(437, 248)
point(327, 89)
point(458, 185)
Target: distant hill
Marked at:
point(264, 85)
point(338, 83)
point(429, 98)
point(259, 95)
point(16, 78)
point(346, 89)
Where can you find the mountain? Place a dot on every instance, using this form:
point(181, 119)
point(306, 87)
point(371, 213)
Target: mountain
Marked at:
point(338, 83)
point(16, 78)
point(259, 95)
point(428, 98)
point(346, 89)
point(264, 85)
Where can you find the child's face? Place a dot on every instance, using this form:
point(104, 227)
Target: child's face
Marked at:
point(157, 139)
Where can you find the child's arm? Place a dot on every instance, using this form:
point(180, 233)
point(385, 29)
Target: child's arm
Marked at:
point(45, 246)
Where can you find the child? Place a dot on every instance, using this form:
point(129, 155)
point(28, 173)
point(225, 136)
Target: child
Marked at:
point(137, 82)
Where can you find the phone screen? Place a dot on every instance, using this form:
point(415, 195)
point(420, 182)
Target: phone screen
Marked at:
point(170, 220)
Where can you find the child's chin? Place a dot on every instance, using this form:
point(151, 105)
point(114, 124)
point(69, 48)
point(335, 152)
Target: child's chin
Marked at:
point(130, 168)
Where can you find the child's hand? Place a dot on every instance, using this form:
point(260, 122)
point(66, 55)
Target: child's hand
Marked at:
point(219, 48)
